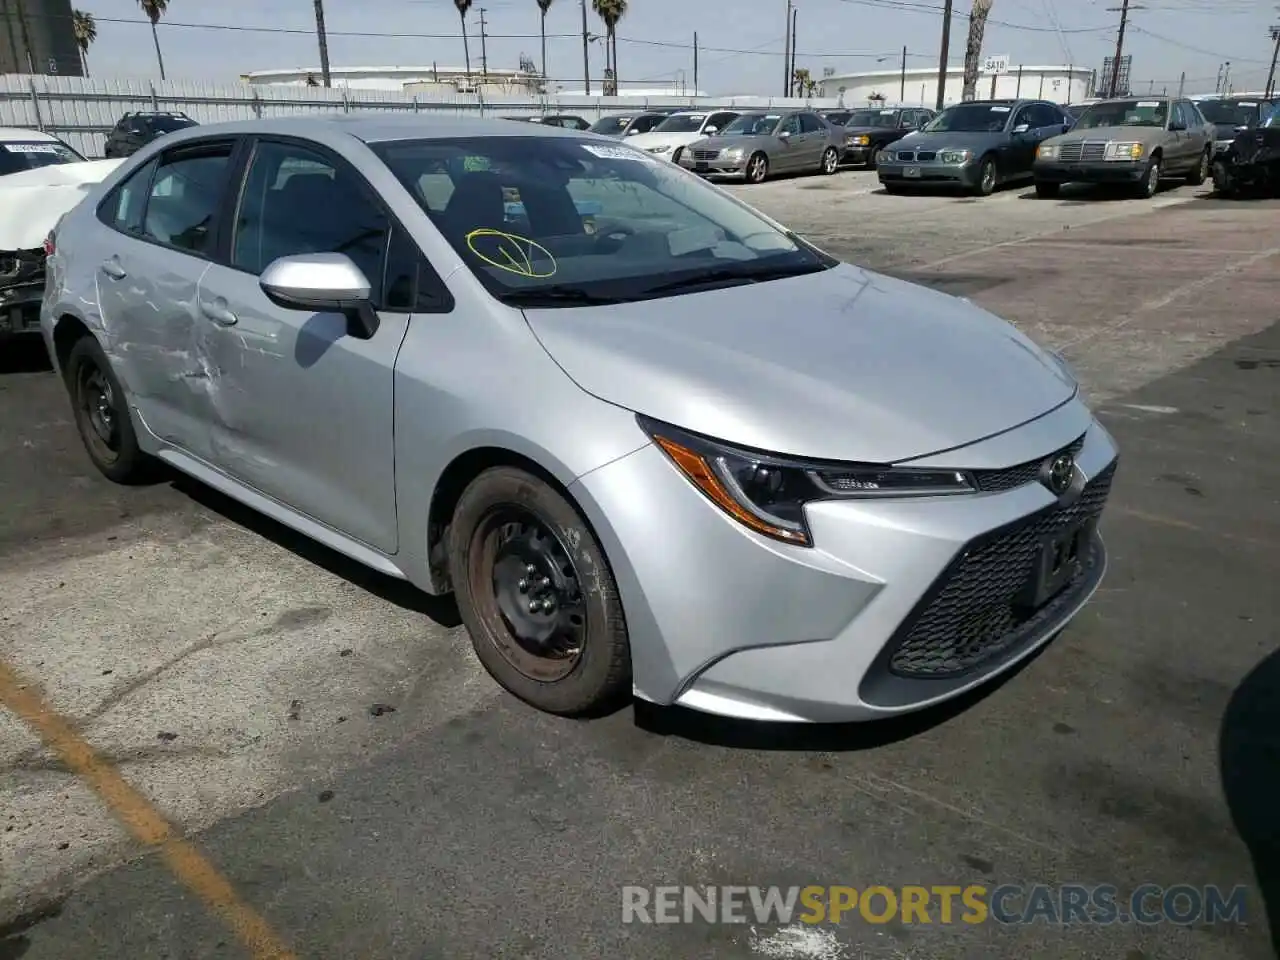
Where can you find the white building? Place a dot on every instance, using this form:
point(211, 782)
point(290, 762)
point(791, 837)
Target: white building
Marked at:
point(424, 80)
point(920, 86)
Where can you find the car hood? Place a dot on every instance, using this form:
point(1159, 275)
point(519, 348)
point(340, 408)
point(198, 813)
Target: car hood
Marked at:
point(724, 143)
point(1147, 135)
point(872, 131)
point(949, 141)
point(645, 141)
point(842, 365)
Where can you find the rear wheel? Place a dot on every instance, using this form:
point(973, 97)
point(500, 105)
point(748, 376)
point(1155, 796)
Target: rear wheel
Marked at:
point(102, 415)
point(1201, 173)
point(537, 595)
point(757, 168)
point(986, 184)
point(1047, 190)
point(830, 161)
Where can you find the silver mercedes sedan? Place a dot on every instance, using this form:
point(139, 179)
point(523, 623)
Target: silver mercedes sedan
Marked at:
point(652, 441)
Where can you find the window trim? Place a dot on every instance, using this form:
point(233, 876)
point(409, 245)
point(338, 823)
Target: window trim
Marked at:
point(227, 220)
point(156, 162)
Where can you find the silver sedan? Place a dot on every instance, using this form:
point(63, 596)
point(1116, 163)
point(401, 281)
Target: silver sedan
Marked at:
point(654, 443)
point(757, 145)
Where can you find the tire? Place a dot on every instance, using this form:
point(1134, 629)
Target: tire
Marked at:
point(1200, 174)
point(1047, 191)
point(675, 154)
point(1223, 182)
point(830, 161)
point(757, 169)
point(101, 414)
point(871, 158)
point(1150, 183)
point(986, 184)
point(507, 521)
point(896, 189)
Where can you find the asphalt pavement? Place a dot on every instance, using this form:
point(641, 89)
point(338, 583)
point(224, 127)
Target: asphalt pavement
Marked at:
point(1142, 746)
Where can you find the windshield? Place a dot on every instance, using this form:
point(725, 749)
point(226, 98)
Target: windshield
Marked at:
point(751, 124)
point(169, 124)
point(608, 125)
point(970, 118)
point(541, 220)
point(16, 157)
point(1125, 113)
point(873, 118)
point(1230, 113)
point(682, 123)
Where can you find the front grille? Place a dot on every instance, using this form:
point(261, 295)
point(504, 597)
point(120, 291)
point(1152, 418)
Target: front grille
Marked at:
point(924, 156)
point(1081, 150)
point(906, 156)
point(705, 154)
point(973, 613)
point(1010, 478)
point(1094, 151)
point(1071, 151)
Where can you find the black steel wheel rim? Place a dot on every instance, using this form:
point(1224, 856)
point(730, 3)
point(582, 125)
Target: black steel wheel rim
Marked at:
point(96, 405)
point(529, 593)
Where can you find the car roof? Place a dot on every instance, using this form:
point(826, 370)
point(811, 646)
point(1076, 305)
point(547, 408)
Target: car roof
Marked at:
point(375, 128)
point(20, 135)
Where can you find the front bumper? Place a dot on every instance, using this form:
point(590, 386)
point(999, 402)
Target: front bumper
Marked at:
point(1113, 171)
point(715, 167)
point(856, 154)
point(953, 174)
point(22, 280)
point(899, 605)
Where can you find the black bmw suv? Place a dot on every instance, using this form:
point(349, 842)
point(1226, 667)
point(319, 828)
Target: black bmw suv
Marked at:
point(135, 130)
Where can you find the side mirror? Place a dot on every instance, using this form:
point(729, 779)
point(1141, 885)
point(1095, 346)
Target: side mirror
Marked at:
point(1021, 128)
point(711, 131)
point(784, 134)
point(322, 282)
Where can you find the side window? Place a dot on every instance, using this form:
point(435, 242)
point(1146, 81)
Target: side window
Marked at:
point(721, 120)
point(296, 200)
point(809, 123)
point(1195, 118)
point(184, 197)
point(123, 209)
point(410, 283)
point(790, 125)
point(1024, 118)
point(1180, 116)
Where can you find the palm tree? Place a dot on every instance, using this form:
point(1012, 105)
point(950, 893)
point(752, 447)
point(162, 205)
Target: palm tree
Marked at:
point(85, 29)
point(155, 9)
point(463, 6)
point(973, 47)
point(544, 6)
point(611, 11)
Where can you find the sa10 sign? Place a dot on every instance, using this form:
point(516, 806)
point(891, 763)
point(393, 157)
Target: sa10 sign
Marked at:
point(996, 65)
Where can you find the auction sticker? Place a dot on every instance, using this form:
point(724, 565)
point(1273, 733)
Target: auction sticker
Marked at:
point(617, 153)
point(31, 147)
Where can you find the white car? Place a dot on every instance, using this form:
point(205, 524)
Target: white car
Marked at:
point(668, 138)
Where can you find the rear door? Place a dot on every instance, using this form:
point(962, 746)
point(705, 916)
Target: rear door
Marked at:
point(789, 153)
point(817, 137)
point(159, 245)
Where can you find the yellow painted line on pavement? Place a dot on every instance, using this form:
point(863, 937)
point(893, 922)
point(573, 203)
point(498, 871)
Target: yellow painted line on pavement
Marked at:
point(141, 818)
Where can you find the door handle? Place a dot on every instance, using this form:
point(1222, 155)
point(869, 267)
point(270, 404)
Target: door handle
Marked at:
point(218, 314)
point(113, 269)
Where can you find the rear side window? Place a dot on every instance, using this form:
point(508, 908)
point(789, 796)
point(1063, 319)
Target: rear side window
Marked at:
point(182, 204)
point(809, 123)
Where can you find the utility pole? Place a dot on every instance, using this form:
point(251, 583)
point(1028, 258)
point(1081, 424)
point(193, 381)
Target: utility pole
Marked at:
point(1182, 84)
point(1123, 10)
point(794, 14)
point(586, 60)
point(902, 87)
point(786, 53)
point(324, 44)
point(484, 58)
point(695, 63)
point(1226, 78)
point(1275, 57)
point(946, 51)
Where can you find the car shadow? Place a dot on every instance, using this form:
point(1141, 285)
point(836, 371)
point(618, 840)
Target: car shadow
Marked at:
point(23, 353)
point(1074, 194)
point(442, 610)
point(711, 730)
point(1249, 765)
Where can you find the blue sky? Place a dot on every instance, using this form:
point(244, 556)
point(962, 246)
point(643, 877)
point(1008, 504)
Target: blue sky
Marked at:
point(742, 41)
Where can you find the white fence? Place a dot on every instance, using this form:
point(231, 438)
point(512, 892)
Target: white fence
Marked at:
point(81, 111)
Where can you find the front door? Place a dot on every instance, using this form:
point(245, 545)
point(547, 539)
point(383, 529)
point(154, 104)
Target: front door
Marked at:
point(161, 222)
point(1021, 151)
point(789, 154)
point(813, 131)
point(304, 411)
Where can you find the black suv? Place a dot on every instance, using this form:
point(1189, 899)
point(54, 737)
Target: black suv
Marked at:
point(135, 130)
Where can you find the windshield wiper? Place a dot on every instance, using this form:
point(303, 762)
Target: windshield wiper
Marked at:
point(727, 277)
point(556, 297)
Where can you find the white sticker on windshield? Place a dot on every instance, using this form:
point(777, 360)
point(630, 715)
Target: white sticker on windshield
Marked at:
point(617, 153)
point(1148, 103)
point(1248, 103)
point(886, 113)
point(1001, 109)
point(31, 147)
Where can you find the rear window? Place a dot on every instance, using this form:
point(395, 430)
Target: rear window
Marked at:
point(169, 124)
point(18, 156)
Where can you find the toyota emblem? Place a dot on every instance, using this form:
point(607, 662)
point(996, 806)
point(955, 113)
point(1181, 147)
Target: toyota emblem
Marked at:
point(1059, 472)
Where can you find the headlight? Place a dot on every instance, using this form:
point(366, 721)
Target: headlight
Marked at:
point(955, 156)
point(1047, 151)
point(768, 494)
point(662, 149)
point(884, 156)
point(1125, 151)
point(733, 153)
point(861, 141)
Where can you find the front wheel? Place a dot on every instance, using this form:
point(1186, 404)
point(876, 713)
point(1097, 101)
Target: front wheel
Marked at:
point(1200, 174)
point(1223, 182)
point(757, 168)
point(537, 595)
point(1150, 183)
point(986, 184)
point(1047, 190)
point(830, 161)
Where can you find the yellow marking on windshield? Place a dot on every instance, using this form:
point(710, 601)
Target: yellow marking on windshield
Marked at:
point(517, 251)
